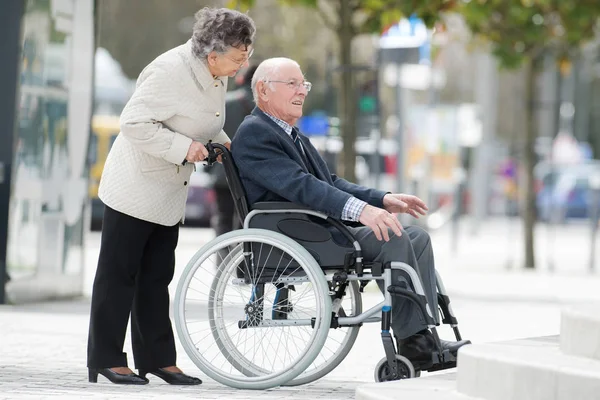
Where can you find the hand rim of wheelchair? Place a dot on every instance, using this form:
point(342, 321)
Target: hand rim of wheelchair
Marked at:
point(406, 370)
point(323, 313)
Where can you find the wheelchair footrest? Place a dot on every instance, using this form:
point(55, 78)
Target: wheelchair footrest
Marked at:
point(442, 366)
point(437, 364)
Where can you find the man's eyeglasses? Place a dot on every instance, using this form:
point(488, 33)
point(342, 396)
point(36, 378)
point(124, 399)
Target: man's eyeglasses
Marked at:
point(295, 85)
point(243, 61)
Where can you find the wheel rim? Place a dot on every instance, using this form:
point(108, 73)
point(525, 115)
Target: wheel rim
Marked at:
point(249, 357)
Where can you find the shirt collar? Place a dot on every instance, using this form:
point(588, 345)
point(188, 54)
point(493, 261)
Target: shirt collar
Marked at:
point(284, 125)
point(199, 67)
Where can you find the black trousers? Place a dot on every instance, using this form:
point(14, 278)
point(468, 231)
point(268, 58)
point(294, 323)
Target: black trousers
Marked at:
point(135, 267)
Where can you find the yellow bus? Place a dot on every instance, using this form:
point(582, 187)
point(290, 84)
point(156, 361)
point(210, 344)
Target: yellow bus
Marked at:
point(105, 129)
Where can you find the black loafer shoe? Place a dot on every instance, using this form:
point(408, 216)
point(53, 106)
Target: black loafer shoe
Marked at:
point(172, 378)
point(114, 377)
point(417, 348)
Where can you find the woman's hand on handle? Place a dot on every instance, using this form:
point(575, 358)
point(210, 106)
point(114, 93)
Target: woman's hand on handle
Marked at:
point(197, 152)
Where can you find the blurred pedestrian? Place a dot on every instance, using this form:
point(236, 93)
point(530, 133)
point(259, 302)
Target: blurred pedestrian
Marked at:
point(178, 104)
point(239, 104)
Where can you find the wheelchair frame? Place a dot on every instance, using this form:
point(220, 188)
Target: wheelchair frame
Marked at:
point(392, 366)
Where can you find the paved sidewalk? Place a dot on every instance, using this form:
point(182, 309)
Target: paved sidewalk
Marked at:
point(42, 352)
point(42, 355)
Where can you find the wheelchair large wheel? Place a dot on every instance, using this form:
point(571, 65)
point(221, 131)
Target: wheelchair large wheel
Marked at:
point(225, 307)
point(339, 341)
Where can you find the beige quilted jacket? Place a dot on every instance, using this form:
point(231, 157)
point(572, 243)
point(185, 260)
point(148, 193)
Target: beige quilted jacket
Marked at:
point(176, 100)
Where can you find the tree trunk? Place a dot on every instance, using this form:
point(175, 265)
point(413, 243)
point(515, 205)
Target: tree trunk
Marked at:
point(347, 95)
point(529, 158)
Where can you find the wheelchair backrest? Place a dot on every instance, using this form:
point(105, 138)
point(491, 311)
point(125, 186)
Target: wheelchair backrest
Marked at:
point(235, 185)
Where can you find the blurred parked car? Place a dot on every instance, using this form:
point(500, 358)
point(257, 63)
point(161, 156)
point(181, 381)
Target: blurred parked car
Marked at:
point(201, 203)
point(564, 191)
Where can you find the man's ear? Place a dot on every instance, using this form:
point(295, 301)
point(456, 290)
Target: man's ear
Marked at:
point(262, 90)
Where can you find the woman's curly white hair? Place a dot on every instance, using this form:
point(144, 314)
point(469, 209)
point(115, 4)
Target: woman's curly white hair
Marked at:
point(218, 29)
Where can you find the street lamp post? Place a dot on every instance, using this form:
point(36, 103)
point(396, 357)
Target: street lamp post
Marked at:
point(594, 182)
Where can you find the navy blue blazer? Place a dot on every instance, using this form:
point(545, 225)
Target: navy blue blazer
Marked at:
point(272, 169)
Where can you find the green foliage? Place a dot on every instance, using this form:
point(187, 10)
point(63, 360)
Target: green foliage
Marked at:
point(525, 29)
point(375, 15)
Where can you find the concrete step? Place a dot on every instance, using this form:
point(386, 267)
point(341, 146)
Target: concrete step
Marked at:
point(580, 331)
point(526, 370)
point(438, 387)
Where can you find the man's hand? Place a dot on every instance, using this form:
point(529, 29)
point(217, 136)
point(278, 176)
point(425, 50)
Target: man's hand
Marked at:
point(379, 220)
point(404, 203)
point(197, 152)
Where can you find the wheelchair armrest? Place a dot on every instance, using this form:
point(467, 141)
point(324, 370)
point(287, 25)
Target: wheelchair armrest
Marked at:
point(278, 205)
point(284, 207)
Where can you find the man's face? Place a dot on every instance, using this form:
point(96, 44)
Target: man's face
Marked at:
point(288, 94)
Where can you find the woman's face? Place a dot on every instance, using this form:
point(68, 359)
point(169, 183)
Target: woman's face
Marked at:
point(229, 63)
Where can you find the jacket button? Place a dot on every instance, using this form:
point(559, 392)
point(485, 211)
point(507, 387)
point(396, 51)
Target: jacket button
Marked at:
point(185, 183)
point(217, 114)
point(216, 84)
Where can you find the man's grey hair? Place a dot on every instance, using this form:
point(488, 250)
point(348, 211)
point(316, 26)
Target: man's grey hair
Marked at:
point(267, 70)
point(219, 29)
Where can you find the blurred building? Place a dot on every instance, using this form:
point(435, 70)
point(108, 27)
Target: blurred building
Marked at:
point(46, 86)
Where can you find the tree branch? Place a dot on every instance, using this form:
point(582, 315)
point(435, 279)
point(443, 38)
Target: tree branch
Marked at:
point(325, 17)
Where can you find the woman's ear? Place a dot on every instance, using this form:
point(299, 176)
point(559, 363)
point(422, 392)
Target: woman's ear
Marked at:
point(212, 58)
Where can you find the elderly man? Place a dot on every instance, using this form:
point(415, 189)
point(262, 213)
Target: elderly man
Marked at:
point(277, 163)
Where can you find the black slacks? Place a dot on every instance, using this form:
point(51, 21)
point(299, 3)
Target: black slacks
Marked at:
point(135, 266)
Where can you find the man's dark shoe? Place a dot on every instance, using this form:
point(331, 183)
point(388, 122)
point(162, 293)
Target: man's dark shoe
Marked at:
point(417, 348)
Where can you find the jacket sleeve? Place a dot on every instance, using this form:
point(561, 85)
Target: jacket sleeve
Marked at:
point(260, 157)
point(373, 197)
point(221, 138)
point(154, 101)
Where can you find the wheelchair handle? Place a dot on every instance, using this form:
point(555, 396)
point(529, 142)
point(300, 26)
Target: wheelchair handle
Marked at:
point(213, 154)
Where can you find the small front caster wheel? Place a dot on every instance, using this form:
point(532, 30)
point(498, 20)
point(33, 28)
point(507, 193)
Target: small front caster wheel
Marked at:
point(405, 370)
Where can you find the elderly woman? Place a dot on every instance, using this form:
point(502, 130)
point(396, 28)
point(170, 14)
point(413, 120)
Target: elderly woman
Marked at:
point(177, 106)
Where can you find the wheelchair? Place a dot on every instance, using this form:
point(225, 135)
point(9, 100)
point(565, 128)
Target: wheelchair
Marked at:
point(278, 303)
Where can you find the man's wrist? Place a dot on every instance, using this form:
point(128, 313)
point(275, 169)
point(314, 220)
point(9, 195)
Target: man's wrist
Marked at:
point(352, 209)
